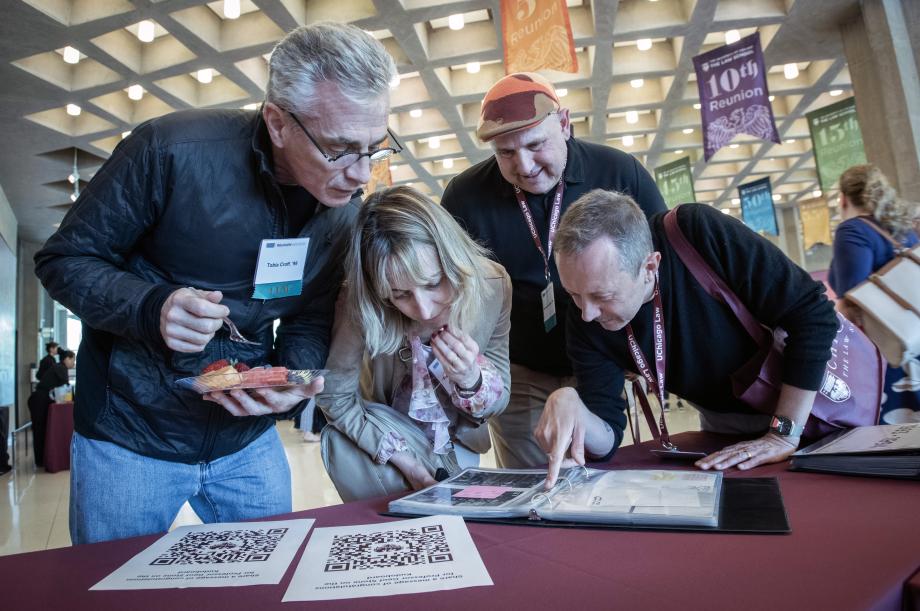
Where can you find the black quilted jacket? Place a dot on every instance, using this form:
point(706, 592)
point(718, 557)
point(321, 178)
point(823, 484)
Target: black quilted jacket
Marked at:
point(184, 201)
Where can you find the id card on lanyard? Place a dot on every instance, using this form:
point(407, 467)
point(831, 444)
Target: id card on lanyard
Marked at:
point(657, 382)
point(547, 295)
point(279, 270)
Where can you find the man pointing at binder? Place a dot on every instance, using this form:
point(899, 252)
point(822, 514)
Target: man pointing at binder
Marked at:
point(635, 299)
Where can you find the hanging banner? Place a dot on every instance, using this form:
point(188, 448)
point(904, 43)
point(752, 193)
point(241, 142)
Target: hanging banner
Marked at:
point(836, 141)
point(381, 177)
point(816, 222)
point(675, 181)
point(537, 36)
point(734, 97)
point(757, 206)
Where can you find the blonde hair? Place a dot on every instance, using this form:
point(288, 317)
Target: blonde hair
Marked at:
point(391, 228)
point(867, 190)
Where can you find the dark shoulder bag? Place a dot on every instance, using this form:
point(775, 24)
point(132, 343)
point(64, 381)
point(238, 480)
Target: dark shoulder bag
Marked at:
point(851, 389)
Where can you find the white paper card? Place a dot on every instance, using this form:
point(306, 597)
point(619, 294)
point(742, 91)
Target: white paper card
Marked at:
point(281, 260)
point(423, 555)
point(213, 555)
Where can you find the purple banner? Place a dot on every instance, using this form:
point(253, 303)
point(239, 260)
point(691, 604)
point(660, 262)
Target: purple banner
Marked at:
point(733, 94)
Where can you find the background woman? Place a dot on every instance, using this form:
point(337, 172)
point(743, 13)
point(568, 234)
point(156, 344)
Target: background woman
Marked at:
point(40, 399)
point(868, 202)
point(426, 315)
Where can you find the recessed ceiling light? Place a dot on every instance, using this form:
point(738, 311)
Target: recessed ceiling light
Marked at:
point(145, 31)
point(135, 92)
point(71, 179)
point(448, 163)
point(732, 36)
point(231, 9)
point(434, 142)
point(687, 130)
point(735, 201)
point(73, 197)
point(394, 83)
point(252, 106)
point(415, 113)
point(697, 106)
point(472, 67)
point(632, 116)
point(816, 193)
point(790, 71)
point(771, 98)
point(628, 140)
point(562, 92)
point(733, 145)
point(205, 76)
point(71, 55)
point(644, 44)
point(678, 151)
point(790, 141)
point(777, 197)
point(74, 110)
point(455, 22)
point(125, 134)
point(835, 92)
point(725, 210)
point(636, 83)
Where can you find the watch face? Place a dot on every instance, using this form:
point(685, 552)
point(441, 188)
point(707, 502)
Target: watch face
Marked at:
point(781, 425)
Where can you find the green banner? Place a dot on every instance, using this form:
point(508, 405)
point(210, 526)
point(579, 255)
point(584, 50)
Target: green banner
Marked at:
point(836, 141)
point(675, 181)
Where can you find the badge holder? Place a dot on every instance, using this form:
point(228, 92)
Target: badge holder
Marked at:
point(668, 450)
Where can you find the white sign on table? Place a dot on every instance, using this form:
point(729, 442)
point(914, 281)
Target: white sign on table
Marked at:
point(213, 555)
point(423, 555)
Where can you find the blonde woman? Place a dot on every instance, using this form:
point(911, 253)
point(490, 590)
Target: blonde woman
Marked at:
point(422, 325)
point(867, 204)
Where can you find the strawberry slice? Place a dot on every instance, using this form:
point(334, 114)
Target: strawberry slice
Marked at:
point(241, 367)
point(215, 366)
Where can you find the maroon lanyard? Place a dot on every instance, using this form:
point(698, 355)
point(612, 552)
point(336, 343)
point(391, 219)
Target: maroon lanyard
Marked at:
point(553, 222)
point(639, 359)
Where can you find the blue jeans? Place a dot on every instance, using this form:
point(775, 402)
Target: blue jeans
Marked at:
point(116, 493)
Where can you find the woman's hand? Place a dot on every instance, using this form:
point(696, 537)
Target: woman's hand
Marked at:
point(748, 454)
point(458, 353)
point(414, 472)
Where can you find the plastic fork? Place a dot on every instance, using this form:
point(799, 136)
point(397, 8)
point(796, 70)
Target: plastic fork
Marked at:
point(235, 335)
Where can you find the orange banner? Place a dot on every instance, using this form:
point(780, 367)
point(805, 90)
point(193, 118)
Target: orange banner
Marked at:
point(380, 177)
point(816, 223)
point(537, 36)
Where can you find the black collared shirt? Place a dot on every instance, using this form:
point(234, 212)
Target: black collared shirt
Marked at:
point(484, 203)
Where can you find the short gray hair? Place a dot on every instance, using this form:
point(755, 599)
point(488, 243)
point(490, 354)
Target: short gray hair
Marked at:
point(326, 51)
point(606, 214)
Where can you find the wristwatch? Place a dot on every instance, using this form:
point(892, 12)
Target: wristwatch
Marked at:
point(784, 427)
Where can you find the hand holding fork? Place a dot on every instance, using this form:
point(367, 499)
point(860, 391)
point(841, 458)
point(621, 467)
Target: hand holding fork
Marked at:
point(190, 317)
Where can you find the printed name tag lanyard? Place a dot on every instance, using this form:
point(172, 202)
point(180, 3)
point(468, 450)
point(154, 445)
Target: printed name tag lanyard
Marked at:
point(645, 370)
point(549, 320)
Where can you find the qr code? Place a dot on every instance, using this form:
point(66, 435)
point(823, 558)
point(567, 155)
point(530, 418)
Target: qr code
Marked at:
point(425, 545)
point(210, 547)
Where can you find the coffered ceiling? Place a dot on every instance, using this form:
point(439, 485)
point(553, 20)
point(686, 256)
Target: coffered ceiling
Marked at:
point(443, 74)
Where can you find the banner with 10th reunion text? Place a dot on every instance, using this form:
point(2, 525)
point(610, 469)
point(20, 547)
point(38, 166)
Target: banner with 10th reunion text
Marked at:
point(733, 92)
point(537, 36)
point(675, 181)
point(836, 140)
point(757, 206)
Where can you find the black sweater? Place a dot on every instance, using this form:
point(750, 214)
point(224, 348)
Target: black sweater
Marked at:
point(704, 341)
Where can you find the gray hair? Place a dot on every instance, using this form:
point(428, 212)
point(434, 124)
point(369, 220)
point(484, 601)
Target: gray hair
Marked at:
point(606, 214)
point(326, 51)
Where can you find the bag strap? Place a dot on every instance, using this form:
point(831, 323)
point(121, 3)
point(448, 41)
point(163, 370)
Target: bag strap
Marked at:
point(713, 284)
point(898, 247)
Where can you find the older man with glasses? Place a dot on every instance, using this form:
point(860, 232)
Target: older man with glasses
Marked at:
point(176, 233)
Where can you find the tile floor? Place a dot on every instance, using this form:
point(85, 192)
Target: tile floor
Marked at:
point(34, 504)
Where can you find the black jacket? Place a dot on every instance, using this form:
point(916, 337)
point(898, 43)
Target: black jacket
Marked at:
point(184, 201)
point(44, 365)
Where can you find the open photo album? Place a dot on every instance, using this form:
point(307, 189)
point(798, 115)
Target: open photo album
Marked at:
point(591, 496)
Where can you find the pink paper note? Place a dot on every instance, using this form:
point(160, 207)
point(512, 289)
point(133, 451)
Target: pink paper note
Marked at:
point(482, 492)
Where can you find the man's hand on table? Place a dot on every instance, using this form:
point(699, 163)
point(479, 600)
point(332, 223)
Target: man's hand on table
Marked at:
point(749, 454)
point(263, 401)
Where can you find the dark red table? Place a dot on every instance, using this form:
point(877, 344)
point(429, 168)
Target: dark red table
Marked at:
point(58, 435)
point(855, 544)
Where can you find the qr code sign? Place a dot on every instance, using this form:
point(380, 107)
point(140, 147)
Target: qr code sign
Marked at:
point(222, 547)
point(425, 545)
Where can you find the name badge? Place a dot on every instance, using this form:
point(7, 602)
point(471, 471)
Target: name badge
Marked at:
point(279, 270)
point(549, 307)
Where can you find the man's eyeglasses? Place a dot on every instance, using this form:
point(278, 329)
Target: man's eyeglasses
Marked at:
point(343, 160)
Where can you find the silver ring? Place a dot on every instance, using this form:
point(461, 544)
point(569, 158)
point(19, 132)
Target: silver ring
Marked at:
point(749, 455)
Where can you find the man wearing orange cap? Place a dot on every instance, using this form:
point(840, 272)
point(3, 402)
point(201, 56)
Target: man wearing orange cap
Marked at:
point(512, 203)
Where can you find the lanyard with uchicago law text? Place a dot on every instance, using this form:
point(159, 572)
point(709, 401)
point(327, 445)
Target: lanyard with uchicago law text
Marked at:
point(547, 296)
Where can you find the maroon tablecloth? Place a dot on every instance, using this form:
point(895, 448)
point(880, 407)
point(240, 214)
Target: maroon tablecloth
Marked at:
point(57, 437)
point(854, 545)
